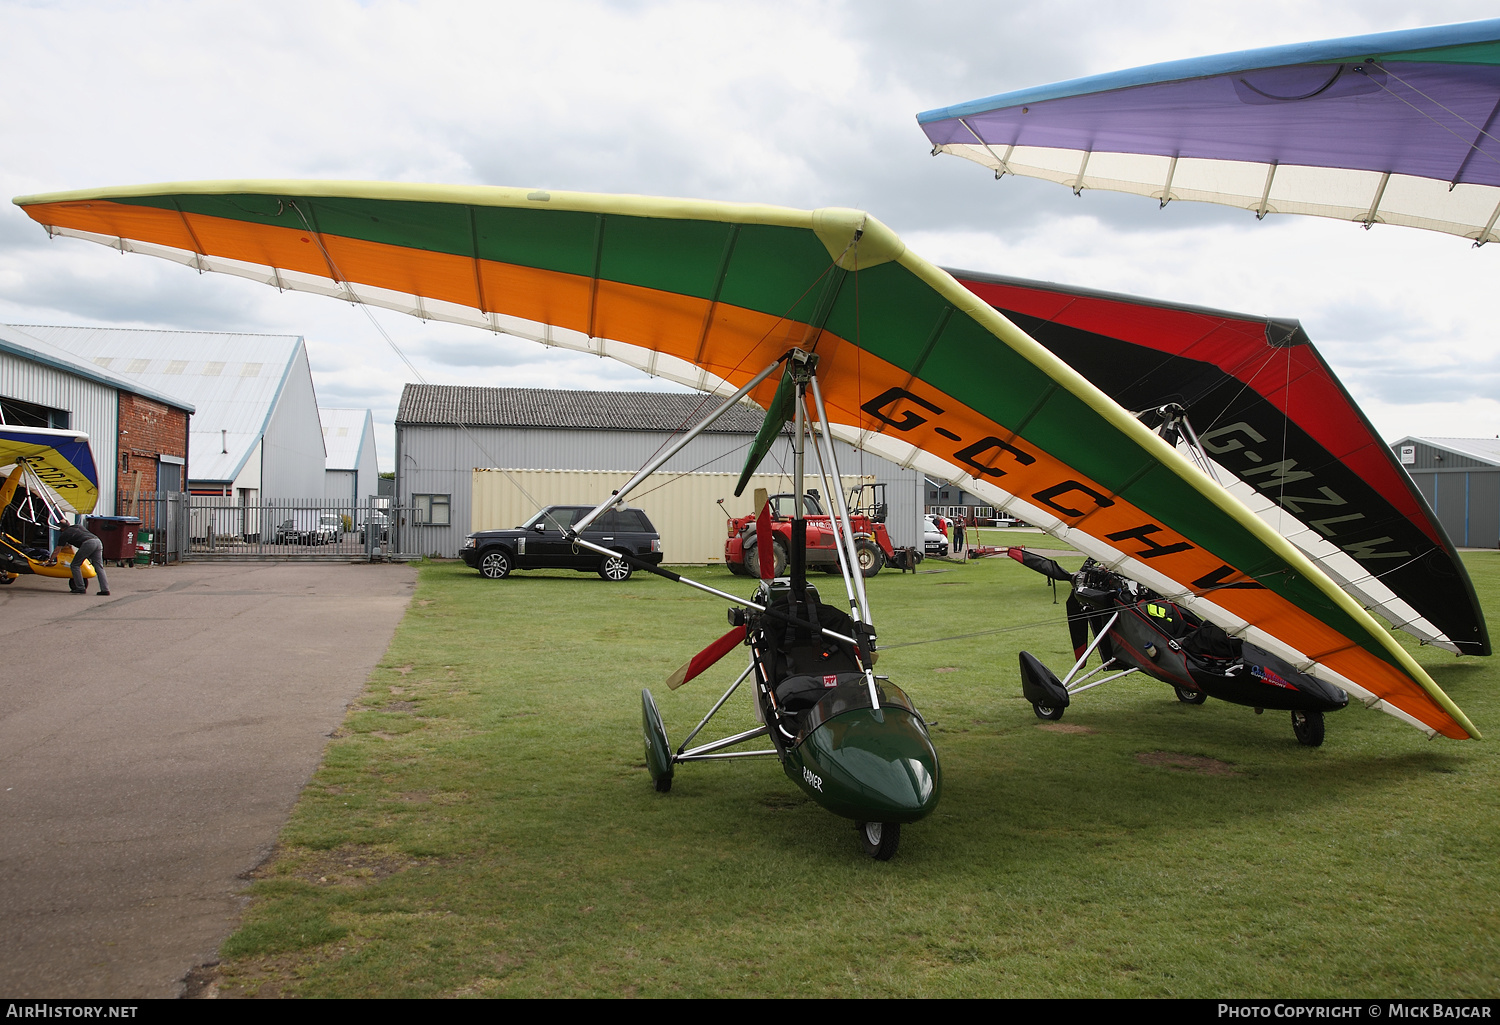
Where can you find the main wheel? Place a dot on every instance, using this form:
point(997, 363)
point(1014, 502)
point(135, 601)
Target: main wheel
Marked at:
point(779, 558)
point(7, 578)
point(612, 567)
point(1049, 712)
point(1308, 726)
point(880, 839)
point(495, 564)
point(871, 558)
point(658, 748)
point(1190, 697)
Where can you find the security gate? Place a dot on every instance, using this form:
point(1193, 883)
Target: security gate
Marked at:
point(293, 529)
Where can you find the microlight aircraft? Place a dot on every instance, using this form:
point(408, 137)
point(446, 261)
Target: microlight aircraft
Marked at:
point(56, 470)
point(1136, 631)
point(911, 365)
point(1390, 128)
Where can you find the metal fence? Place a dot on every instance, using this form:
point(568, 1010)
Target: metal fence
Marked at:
point(213, 527)
point(162, 536)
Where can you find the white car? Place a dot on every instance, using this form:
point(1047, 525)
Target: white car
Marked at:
point(934, 541)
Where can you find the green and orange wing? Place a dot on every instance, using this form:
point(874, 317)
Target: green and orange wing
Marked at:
point(913, 366)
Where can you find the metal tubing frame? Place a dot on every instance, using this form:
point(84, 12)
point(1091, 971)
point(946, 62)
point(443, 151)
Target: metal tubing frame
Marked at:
point(718, 745)
point(839, 539)
point(1087, 686)
point(726, 754)
point(1192, 437)
point(852, 570)
point(798, 556)
point(655, 464)
point(1095, 672)
point(844, 532)
point(714, 710)
point(854, 609)
point(736, 599)
point(1098, 636)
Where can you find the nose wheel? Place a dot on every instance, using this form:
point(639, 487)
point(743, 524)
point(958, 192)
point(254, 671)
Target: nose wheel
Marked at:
point(1308, 726)
point(880, 839)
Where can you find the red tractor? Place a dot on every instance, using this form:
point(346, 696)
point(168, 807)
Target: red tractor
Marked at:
point(872, 544)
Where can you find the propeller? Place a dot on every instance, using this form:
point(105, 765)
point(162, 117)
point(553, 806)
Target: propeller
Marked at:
point(707, 657)
point(765, 544)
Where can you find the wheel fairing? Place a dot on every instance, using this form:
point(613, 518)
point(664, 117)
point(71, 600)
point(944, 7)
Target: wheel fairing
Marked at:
point(658, 750)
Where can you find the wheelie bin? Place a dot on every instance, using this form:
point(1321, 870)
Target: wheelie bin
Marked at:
point(117, 533)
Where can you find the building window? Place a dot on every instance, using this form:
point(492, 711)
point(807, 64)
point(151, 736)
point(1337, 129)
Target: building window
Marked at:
point(430, 509)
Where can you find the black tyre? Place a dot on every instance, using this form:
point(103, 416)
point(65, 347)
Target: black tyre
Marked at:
point(1308, 726)
point(658, 748)
point(880, 839)
point(738, 569)
point(871, 558)
point(1049, 712)
point(6, 578)
point(614, 568)
point(1190, 697)
point(778, 558)
point(495, 564)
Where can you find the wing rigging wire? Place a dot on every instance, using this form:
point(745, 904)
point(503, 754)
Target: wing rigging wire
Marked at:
point(1473, 145)
point(704, 397)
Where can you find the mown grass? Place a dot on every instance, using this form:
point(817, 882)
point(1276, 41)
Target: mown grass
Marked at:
point(1001, 537)
point(485, 825)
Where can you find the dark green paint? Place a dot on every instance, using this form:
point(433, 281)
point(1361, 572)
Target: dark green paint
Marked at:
point(869, 765)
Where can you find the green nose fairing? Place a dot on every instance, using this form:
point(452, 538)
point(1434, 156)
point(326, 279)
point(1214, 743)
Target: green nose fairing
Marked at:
point(870, 765)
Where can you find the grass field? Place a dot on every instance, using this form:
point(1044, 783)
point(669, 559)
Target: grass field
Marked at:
point(483, 824)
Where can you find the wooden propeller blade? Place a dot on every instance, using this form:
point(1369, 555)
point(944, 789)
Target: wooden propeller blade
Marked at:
point(707, 657)
point(765, 544)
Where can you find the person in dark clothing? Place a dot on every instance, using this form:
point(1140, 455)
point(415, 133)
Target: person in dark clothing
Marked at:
point(85, 546)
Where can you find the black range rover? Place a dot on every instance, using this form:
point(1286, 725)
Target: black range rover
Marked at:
point(540, 543)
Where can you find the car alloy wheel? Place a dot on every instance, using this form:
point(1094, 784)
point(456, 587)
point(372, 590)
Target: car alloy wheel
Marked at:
point(494, 564)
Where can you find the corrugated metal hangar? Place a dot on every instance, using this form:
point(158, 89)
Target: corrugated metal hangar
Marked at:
point(352, 466)
point(256, 433)
point(1460, 478)
point(444, 433)
point(138, 434)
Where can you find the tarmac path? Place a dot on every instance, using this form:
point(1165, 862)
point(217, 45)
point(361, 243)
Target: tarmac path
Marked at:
point(152, 745)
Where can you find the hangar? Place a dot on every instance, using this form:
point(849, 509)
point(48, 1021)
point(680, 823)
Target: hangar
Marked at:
point(139, 430)
point(1460, 478)
point(351, 469)
point(445, 433)
point(255, 434)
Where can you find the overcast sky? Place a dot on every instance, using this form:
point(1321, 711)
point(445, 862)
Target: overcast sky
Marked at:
point(803, 104)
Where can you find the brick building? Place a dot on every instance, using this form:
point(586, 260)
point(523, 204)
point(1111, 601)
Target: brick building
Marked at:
point(153, 444)
point(131, 426)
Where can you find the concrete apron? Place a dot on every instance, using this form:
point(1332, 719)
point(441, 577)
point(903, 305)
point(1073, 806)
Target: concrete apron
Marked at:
point(152, 745)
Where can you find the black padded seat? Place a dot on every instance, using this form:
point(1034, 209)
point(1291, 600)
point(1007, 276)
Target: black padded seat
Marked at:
point(799, 693)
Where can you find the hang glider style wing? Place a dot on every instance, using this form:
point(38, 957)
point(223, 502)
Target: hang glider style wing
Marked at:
point(1297, 449)
point(59, 459)
point(1394, 128)
point(913, 366)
